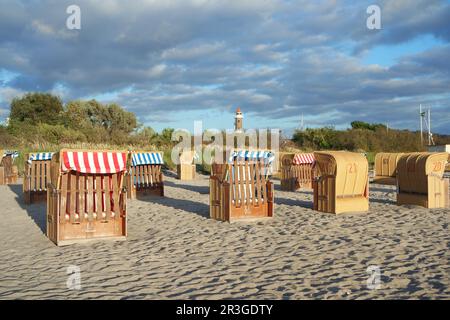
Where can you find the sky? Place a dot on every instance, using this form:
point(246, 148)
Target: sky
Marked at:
point(176, 62)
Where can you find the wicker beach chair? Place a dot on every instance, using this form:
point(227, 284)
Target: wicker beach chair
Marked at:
point(8, 171)
point(297, 171)
point(186, 167)
point(244, 190)
point(342, 183)
point(86, 198)
point(385, 170)
point(145, 175)
point(420, 180)
point(37, 176)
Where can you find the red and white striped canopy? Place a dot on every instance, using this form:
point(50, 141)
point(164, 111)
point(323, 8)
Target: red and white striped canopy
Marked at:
point(303, 158)
point(93, 161)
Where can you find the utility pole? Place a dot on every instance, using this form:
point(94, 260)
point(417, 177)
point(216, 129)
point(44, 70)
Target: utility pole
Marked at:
point(425, 117)
point(430, 139)
point(421, 127)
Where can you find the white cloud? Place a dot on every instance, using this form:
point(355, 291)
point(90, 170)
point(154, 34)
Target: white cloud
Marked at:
point(182, 55)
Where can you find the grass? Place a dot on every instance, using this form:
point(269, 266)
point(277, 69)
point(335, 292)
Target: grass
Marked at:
point(167, 151)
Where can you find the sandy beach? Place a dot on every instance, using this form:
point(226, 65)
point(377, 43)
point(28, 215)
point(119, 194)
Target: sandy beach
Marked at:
point(174, 251)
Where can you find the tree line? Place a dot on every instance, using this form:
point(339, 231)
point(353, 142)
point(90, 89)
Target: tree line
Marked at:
point(364, 137)
point(41, 118)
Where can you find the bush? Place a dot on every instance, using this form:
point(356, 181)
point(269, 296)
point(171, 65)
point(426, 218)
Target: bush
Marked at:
point(7, 139)
point(370, 138)
point(59, 134)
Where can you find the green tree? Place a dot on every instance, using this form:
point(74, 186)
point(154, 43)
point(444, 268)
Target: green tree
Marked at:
point(34, 108)
point(100, 122)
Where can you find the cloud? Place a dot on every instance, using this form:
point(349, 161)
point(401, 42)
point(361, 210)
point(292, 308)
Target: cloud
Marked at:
point(276, 59)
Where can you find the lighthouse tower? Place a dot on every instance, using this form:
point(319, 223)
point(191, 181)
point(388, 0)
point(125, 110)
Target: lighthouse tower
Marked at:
point(238, 120)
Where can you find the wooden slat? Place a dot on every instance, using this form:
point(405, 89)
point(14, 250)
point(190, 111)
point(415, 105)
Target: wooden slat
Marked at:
point(263, 185)
point(155, 176)
point(146, 175)
point(226, 210)
point(26, 181)
point(63, 208)
point(116, 207)
point(72, 196)
point(136, 176)
point(44, 179)
point(81, 196)
point(140, 176)
point(258, 184)
point(121, 178)
point(252, 179)
point(107, 183)
point(99, 197)
point(40, 176)
point(90, 197)
point(247, 182)
point(241, 184)
point(33, 177)
point(235, 187)
point(158, 174)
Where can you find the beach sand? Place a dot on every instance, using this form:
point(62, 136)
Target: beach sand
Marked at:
point(174, 251)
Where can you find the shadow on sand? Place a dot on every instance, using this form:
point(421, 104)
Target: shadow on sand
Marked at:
point(294, 202)
point(36, 211)
point(277, 187)
point(198, 189)
point(198, 208)
point(381, 189)
point(383, 201)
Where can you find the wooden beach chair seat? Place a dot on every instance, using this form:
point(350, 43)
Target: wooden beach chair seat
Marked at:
point(37, 176)
point(297, 171)
point(244, 191)
point(145, 175)
point(186, 167)
point(385, 169)
point(86, 198)
point(421, 181)
point(342, 182)
point(8, 171)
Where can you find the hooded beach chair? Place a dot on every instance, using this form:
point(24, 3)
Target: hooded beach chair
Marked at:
point(342, 182)
point(145, 174)
point(385, 169)
point(37, 176)
point(420, 180)
point(244, 190)
point(8, 171)
point(297, 171)
point(186, 167)
point(86, 198)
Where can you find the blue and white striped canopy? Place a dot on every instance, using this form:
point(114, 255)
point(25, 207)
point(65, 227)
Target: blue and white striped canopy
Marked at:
point(266, 156)
point(146, 158)
point(13, 154)
point(40, 156)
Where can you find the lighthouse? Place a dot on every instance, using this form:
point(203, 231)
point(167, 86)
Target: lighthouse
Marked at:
point(238, 120)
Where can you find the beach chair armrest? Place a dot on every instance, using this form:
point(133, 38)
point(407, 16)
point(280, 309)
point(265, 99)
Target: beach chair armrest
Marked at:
point(269, 186)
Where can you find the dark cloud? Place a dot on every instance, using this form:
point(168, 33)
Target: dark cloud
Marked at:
point(277, 58)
